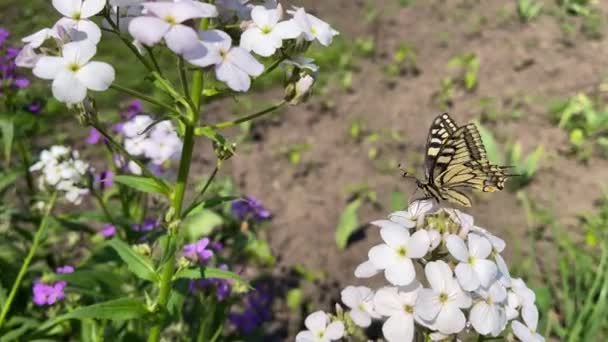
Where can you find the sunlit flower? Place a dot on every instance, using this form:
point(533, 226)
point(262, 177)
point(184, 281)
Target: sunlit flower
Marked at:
point(314, 28)
point(527, 332)
point(398, 304)
point(65, 269)
point(415, 213)
point(250, 207)
point(396, 254)
point(266, 34)
point(474, 269)
point(488, 315)
point(76, 16)
point(360, 300)
point(48, 294)
point(198, 251)
point(74, 72)
point(441, 304)
point(233, 65)
point(319, 330)
point(165, 22)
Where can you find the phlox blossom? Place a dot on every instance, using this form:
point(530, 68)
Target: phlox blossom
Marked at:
point(233, 65)
point(76, 16)
point(313, 28)
point(319, 329)
point(360, 300)
point(474, 269)
point(488, 315)
point(165, 22)
point(266, 33)
point(527, 332)
point(74, 72)
point(398, 304)
point(415, 213)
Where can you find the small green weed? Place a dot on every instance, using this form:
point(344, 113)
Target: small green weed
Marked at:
point(528, 10)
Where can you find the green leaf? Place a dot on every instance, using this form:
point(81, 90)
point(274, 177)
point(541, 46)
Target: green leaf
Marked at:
point(117, 309)
point(8, 178)
point(8, 133)
point(348, 223)
point(200, 223)
point(145, 184)
point(207, 272)
point(494, 154)
point(398, 200)
point(138, 264)
point(294, 299)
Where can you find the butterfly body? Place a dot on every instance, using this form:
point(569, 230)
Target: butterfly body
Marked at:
point(456, 159)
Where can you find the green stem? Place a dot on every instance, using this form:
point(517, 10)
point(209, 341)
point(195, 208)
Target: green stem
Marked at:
point(143, 97)
point(176, 206)
point(200, 130)
point(182, 74)
point(26, 164)
point(195, 202)
point(28, 259)
point(154, 62)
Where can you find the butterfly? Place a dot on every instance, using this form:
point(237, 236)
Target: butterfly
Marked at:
point(455, 159)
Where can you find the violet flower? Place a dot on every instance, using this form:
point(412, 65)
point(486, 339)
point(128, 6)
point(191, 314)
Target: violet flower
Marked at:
point(197, 252)
point(65, 269)
point(223, 287)
point(4, 34)
point(104, 179)
point(250, 207)
point(257, 310)
point(48, 294)
point(134, 108)
point(94, 137)
point(146, 226)
point(34, 107)
point(108, 231)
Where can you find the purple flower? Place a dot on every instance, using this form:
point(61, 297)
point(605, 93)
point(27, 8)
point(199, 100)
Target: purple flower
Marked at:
point(134, 108)
point(217, 246)
point(48, 294)
point(105, 179)
point(257, 310)
point(249, 207)
point(21, 82)
point(108, 231)
point(94, 137)
point(65, 269)
point(146, 226)
point(223, 287)
point(34, 107)
point(197, 252)
point(4, 34)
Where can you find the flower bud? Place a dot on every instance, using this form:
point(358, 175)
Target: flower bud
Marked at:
point(142, 249)
point(299, 88)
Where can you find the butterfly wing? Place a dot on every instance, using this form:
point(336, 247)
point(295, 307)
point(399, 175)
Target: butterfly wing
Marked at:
point(441, 131)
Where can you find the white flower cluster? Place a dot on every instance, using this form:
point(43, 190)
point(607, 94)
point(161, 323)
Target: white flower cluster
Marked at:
point(465, 287)
point(71, 70)
point(174, 23)
point(159, 144)
point(62, 170)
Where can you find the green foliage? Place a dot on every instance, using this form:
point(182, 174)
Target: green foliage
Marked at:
point(145, 184)
point(586, 124)
point(294, 152)
point(404, 61)
point(467, 66)
point(137, 263)
point(576, 7)
point(528, 10)
point(348, 223)
point(524, 167)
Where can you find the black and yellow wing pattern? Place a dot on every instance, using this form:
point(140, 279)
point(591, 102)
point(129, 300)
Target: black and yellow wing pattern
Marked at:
point(455, 159)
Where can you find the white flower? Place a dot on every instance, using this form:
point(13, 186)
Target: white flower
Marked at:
point(398, 304)
point(474, 269)
point(527, 332)
point(36, 39)
point(396, 254)
point(440, 305)
point(302, 62)
point(435, 237)
point(73, 73)
point(159, 144)
point(125, 14)
point(266, 34)
point(488, 314)
point(228, 8)
point(319, 330)
point(165, 22)
point(414, 216)
point(63, 171)
point(134, 168)
point(233, 65)
point(27, 57)
point(314, 28)
point(518, 296)
point(76, 14)
point(360, 300)
point(136, 126)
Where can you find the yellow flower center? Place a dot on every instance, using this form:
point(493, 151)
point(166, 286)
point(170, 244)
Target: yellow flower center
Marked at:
point(171, 19)
point(76, 16)
point(266, 29)
point(401, 251)
point(443, 297)
point(73, 67)
point(408, 308)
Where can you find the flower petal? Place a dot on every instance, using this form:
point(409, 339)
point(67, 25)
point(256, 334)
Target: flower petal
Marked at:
point(457, 248)
point(486, 271)
point(387, 224)
point(361, 318)
point(86, 30)
point(395, 237)
point(181, 38)
point(481, 318)
point(305, 336)
point(467, 277)
point(427, 304)
point(316, 321)
point(287, 29)
point(450, 320)
point(401, 273)
point(438, 274)
point(530, 315)
point(382, 256)
point(234, 77)
point(78, 52)
point(265, 18)
point(91, 7)
point(522, 332)
point(399, 328)
point(366, 269)
point(335, 330)
point(242, 59)
point(479, 246)
point(148, 30)
point(419, 244)
point(96, 75)
point(67, 88)
point(350, 296)
point(67, 7)
point(402, 218)
point(48, 67)
point(386, 301)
